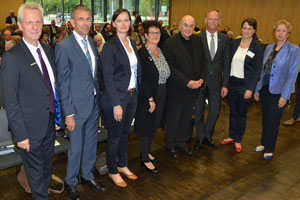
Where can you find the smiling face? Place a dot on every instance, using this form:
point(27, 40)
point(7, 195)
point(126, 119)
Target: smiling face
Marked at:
point(247, 31)
point(122, 23)
point(187, 26)
point(212, 21)
point(153, 35)
point(31, 25)
point(82, 22)
point(281, 33)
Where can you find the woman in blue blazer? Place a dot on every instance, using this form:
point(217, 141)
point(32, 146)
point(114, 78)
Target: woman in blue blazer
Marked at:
point(246, 55)
point(277, 82)
point(122, 77)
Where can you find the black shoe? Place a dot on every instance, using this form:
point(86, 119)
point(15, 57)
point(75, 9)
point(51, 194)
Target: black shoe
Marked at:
point(209, 142)
point(198, 144)
point(72, 192)
point(154, 161)
point(155, 170)
point(172, 153)
point(93, 185)
point(184, 150)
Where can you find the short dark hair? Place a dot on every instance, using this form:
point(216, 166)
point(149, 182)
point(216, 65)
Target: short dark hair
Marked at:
point(116, 15)
point(79, 7)
point(251, 21)
point(149, 24)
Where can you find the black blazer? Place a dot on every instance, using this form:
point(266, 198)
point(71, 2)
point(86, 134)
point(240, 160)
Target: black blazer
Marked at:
point(26, 94)
point(183, 68)
point(218, 69)
point(9, 19)
point(144, 120)
point(116, 71)
point(252, 66)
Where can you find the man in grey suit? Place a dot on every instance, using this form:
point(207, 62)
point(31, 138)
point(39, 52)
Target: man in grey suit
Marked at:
point(216, 48)
point(28, 83)
point(76, 61)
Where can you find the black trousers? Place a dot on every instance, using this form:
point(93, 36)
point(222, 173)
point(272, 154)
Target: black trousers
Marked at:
point(238, 108)
point(179, 116)
point(38, 162)
point(145, 142)
point(271, 115)
point(118, 132)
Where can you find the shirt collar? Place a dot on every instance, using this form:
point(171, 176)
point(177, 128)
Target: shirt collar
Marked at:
point(78, 37)
point(209, 34)
point(32, 47)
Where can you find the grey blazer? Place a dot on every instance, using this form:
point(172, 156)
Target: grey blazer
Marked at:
point(75, 80)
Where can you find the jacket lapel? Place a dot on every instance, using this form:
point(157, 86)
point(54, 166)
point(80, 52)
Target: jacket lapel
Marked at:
point(124, 54)
point(220, 43)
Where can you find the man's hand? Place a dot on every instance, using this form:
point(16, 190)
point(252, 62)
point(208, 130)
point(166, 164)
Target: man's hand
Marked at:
point(256, 96)
point(248, 94)
point(70, 123)
point(24, 145)
point(224, 92)
point(195, 84)
point(118, 113)
point(282, 102)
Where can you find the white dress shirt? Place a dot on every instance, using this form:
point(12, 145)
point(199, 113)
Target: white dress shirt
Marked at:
point(208, 35)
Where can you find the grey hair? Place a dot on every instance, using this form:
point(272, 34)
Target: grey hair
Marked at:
point(29, 5)
point(214, 11)
point(79, 7)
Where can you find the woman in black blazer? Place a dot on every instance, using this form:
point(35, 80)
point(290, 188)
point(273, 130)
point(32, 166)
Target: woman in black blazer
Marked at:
point(246, 55)
point(121, 75)
point(151, 98)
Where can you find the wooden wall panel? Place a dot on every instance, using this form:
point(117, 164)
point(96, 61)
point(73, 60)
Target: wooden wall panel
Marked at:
point(266, 12)
point(6, 6)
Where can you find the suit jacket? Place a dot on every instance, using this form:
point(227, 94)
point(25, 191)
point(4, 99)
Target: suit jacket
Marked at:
point(26, 94)
point(218, 69)
point(252, 66)
point(9, 19)
point(75, 80)
point(284, 70)
point(144, 120)
point(116, 71)
point(183, 68)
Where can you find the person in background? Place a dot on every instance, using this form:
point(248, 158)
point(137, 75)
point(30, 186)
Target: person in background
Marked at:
point(137, 20)
point(45, 38)
point(122, 78)
point(246, 56)
point(152, 95)
point(100, 42)
point(11, 19)
point(106, 31)
point(276, 84)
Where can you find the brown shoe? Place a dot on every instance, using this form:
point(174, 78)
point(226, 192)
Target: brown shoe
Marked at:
point(131, 176)
point(290, 122)
point(119, 184)
point(298, 120)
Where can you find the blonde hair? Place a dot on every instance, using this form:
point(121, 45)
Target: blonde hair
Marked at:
point(284, 22)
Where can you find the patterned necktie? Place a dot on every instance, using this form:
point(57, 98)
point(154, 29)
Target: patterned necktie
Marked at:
point(87, 54)
point(212, 47)
point(48, 82)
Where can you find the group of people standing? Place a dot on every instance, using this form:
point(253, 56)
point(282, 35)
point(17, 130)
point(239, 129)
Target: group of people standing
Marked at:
point(187, 69)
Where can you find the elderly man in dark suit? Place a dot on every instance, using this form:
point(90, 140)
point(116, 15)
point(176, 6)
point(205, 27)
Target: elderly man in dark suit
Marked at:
point(216, 46)
point(11, 19)
point(76, 60)
point(28, 82)
point(185, 55)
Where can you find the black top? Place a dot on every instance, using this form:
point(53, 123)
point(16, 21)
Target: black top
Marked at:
point(188, 46)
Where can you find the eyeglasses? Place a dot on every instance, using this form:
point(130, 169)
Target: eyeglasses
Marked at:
point(154, 33)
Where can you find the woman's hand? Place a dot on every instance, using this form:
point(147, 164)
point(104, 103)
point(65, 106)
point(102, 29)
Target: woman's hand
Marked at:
point(256, 96)
point(282, 102)
point(248, 94)
point(118, 113)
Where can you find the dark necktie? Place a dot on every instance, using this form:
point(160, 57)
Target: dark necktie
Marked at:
point(48, 82)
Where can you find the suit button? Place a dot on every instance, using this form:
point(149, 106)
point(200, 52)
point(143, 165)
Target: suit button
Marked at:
point(47, 109)
point(47, 95)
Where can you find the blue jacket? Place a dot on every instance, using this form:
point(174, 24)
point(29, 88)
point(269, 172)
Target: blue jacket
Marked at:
point(284, 70)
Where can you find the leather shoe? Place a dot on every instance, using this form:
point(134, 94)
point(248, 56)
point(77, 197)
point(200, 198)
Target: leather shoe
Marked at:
point(290, 122)
point(155, 160)
point(172, 153)
point(228, 142)
point(184, 150)
point(92, 184)
point(198, 144)
point(209, 142)
point(129, 176)
point(72, 192)
point(119, 184)
point(155, 170)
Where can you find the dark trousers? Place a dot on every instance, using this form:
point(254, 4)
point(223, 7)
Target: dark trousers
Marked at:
point(296, 113)
point(83, 147)
point(271, 115)
point(38, 162)
point(238, 108)
point(206, 129)
point(179, 116)
point(145, 142)
point(118, 132)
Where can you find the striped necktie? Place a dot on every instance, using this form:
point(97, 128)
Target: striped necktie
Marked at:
point(87, 54)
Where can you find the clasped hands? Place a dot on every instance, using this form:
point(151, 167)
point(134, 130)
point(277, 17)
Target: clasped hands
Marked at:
point(195, 84)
